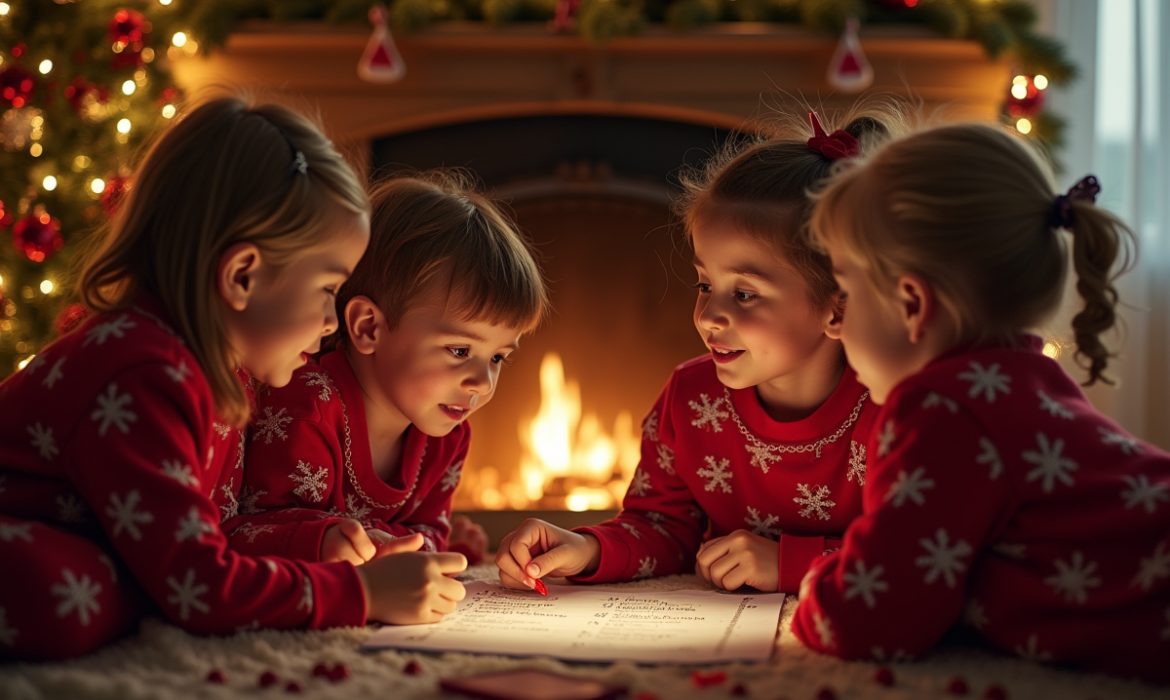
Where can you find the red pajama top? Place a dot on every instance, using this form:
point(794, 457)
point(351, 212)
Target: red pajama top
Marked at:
point(713, 462)
point(308, 466)
point(998, 496)
point(111, 432)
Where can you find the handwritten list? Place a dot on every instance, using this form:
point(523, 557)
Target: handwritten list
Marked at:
point(586, 623)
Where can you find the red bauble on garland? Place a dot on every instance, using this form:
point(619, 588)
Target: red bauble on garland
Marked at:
point(116, 189)
point(1024, 98)
point(38, 235)
point(5, 216)
point(128, 30)
point(82, 95)
point(17, 84)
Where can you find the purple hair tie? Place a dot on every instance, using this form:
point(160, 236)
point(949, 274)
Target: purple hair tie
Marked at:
point(1061, 215)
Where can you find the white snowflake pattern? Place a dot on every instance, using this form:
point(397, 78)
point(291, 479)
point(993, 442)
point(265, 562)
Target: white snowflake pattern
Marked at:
point(717, 473)
point(249, 497)
point(666, 458)
point(9, 532)
point(1054, 407)
point(71, 509)
point(762, 525)
point(1032, 651)
point(865, 582)
point(55, 374)
point(1128, 445)
point(178, 374)
point(708, 415)
point(35, 363)
point(230, 507)
point(990, 456)
point(1141, 491)
point(886, 439)
point(182, 473)
point(126, 514)
point(112, 410)
point(77, 595)
point(42, 440)
point(650, 427)
point(221, 429)
point(1153, 567)
point(986, 381)
point(942, 558)
point(856, 462)
point(451, 478)
point(187, 594)
point(814, 502)
point(633, 530)
point(252, 531)
point(102, 332)
point(762, 456)
point(646, 567)
point(973, 615)
point(311, 485)
point(306, 596)
point(272, 425)
point(656, 519)
point(824, 630)
point(1050, 465)
point(909, 487)
point(193, 527)
point(321, 380)
point(1073, 579)
point(640, 486)
point(7, 632)
point(934, 399)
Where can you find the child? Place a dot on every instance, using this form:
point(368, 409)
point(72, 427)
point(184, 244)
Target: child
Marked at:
point(242, 224)
point(749, 462)
point(375, 436)
point(996, 492)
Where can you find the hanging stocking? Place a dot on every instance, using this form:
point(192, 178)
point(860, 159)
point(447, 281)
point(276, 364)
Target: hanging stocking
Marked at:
point(380, 63)
point(849, 71)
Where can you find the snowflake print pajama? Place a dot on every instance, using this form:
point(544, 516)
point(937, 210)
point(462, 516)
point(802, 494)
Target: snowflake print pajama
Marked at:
point(713, 462)
point(114, 477)
point(999, 497)
point(309, 466)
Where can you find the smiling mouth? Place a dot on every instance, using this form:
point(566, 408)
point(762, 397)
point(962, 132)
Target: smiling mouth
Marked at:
point(455, 413)
point(723, 356)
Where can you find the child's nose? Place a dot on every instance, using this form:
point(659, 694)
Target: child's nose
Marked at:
point(711, 316)
point(479, 381)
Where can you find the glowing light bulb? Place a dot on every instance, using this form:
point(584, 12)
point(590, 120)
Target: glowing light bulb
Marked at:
point(24, 362)
point(179, 39)
point(1019, 91)
point(129, 87)
point(123, 126)
point(45, 67)
point(1052, 349)
point(50, 183)
point(46, 287)
point(36, 150)
point(1024, 126)
point(164, 2)
point(4, 9)
point(1, 280)
point(168, 111)
point(98, 185)
point(1040, 81)
point(1020, 80)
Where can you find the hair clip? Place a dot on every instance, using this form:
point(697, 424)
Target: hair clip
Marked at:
point(1086, 190)
point(299, 163)
point(839, 144)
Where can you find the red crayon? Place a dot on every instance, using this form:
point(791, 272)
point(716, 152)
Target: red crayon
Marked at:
point(540, 587)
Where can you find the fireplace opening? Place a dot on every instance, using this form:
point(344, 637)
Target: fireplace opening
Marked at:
point(562, 433)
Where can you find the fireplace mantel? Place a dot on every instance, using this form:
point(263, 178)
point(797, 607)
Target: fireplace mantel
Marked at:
point(721, 76)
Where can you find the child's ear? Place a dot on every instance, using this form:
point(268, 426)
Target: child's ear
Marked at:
point(363, 320)
point(916, 305)
point(236, 278)
point(835, 315)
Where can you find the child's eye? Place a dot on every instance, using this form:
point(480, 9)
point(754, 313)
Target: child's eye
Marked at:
point(703, 287)
point(745, 296)
point(501, 360)
point(460, 352)
point(331, 291)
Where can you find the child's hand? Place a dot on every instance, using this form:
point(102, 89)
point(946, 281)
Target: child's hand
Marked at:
point(409, 588)
point(469, 538)
point(560, 553)
point(739, 559)
point(389, 544)
point(347, 541)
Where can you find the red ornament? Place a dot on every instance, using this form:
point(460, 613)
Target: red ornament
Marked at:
point(81, 94)
point(216, 676)
point(706, 680)
point(37, 235)
point(849, 69)
point(413, 668)
point(71, 317)
point(1024, 98)
point(293, 687)
point(5, 216)
point(565, 19)
point(381, 62)
point(268, 679)
point(17, 84)
point(884, 676)
point(116, 189)
point(127, 27)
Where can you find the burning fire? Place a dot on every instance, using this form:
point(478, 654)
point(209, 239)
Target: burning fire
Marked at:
point(569, 461)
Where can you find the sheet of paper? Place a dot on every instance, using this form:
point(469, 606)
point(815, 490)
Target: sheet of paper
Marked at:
point(589, 623)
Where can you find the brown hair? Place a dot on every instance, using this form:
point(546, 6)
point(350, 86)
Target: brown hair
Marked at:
point(436, 223)
point(763, 186)
point(967, 207)
point(224, 173)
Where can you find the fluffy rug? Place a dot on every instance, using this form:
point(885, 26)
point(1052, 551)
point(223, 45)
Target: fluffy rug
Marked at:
point(162, 661)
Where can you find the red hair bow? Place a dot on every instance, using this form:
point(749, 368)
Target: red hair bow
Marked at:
point(839, 144)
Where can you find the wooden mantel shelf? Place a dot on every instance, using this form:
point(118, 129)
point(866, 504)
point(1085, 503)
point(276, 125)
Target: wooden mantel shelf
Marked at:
point(722, 76)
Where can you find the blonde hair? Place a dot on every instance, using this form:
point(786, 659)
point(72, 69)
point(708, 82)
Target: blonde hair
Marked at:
point(436, 223)
point(223, 174)
point(763, 186)
point(968, 207)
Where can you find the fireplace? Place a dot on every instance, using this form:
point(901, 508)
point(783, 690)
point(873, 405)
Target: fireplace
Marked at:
point(582, 142)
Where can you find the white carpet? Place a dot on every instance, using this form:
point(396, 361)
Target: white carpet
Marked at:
point(161, 661)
